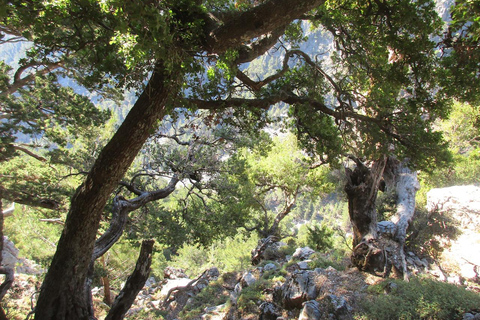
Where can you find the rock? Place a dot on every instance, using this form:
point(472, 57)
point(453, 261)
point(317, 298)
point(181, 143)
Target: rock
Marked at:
point(303, 265)
point(274, 252)
point(303, 253)
point(468, 316)
point(248, 279)
point(174, 273)
point(214, 313)
point(310, 311)
point(270, 266)
point(9, 254)
point(268, 311)
point(338, 306)
point(213, 273)
point(150, 282)
point(462, 205)
point(298, 288)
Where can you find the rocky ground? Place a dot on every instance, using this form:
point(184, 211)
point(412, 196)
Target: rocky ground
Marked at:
point(302, 286)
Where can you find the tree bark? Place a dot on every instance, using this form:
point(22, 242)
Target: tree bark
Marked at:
point(134, 283)
point(405, 183)
point(379, 249)
point(62, 293)
point(361, 189)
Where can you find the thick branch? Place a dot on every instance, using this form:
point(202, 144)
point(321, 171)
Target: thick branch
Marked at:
point(250, 52)
point(257, 85)
point(30, 200)
point(121, 208)
point(134, 283)
point(20, 82)
point(289, 204)
point(30, 153)
point(260, 20)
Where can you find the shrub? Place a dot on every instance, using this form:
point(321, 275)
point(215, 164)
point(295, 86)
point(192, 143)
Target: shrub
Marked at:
point(421, 298)
point(319, 237)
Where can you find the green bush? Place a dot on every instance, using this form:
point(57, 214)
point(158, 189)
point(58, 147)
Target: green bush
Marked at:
point(421, 298)
point(319, 237)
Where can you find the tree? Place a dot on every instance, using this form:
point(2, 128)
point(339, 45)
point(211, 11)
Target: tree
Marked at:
point(277, 175)
point(382, 94)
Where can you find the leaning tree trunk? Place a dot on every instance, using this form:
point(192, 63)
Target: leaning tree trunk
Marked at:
point(62, 293)
point(379, 246)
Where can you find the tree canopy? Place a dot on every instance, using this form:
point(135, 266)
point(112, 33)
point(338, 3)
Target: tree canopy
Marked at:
point(377, 91)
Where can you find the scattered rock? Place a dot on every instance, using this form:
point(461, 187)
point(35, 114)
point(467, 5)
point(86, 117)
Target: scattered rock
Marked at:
point(298, 288)
point(303, 265)
point(303, 253)
point(174, 273)
point(310, 311)
point(248, 279)
point(270, 266)
point(268, 311)
point(338, 306)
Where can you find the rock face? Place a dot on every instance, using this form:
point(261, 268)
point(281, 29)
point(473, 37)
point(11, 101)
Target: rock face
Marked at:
point(9, 254)
point(462, 203)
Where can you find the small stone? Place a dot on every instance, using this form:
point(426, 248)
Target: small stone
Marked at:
point(468, 316)
point(248, 279)
point(303, 265)
point(270, 266)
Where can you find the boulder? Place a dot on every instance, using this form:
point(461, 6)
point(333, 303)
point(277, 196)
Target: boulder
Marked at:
point(298, 288)
point(248, 279)
point(269, 311)
point(303, 253)
point(338, 307)
point(310, 311)
point(9, 254)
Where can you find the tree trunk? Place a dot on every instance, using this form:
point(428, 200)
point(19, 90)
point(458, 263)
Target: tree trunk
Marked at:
point(380, 246)
point(361, 189)
point(405, 183)
point(62, 293)
point(134, 283)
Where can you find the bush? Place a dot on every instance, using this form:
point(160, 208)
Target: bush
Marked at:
point(319, 237)
point(421, 298)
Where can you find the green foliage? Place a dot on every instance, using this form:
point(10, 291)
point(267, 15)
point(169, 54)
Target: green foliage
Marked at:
point(319, 237)
point(36, 240)
point(461, 130)
point(462, 47)
point(421, 298)
point(324, 261)
point(230, 254)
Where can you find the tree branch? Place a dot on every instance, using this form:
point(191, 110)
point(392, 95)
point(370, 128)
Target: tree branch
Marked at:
point(260, 20)
point(250, 52)
point(30, 153)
